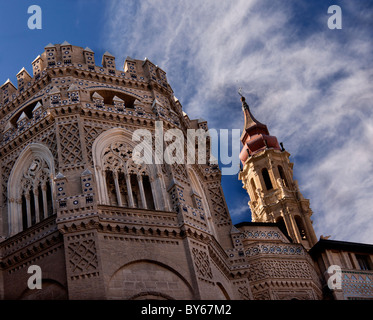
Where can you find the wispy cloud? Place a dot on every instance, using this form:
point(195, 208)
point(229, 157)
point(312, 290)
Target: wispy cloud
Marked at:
point(311, 85)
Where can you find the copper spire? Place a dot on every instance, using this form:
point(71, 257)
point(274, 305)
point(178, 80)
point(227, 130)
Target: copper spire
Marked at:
point(251, 124)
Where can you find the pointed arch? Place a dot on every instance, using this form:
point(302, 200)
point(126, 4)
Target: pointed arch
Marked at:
point(112, 158)
point(33, 172)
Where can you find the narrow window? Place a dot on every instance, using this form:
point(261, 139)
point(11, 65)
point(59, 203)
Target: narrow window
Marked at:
point(49, 199)
point(135, 191)
point(123, 189)
point(40, 202)
point(282, 176)
point(302, 230)
point(32, 207)
point(24, 213)
point(281, 224)
point(267, 179)
point(148, 193)
point(363, 262)
point(111, 188)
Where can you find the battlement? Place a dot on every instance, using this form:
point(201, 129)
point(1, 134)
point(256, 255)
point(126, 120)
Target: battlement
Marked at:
point(65, 55)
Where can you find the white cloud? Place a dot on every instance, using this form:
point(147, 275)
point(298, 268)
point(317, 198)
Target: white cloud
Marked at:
point(314, 91)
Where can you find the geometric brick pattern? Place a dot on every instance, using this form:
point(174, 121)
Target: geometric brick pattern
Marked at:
point(82, 257)
point(202, 263)
point(274, 269)
point(71, 150)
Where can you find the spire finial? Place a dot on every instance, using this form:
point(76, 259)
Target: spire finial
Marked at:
point(243, 100)
point(240, 91)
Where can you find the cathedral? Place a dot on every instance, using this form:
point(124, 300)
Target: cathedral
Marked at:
point(97, 224)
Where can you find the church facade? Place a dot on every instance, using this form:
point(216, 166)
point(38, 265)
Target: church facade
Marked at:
point(100, 225)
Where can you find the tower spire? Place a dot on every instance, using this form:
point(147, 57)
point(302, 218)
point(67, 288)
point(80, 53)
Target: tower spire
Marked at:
point(267, 175)
point(255, 136)
point(250, 121)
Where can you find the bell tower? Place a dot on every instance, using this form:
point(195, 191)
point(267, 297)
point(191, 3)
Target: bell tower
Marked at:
point(267, 175)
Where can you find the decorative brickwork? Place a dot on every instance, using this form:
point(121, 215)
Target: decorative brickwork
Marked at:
point(91, 133)
point(202, 263)
point(275, 269)
point(71, 152)
point(219, 207)
point(82, 255)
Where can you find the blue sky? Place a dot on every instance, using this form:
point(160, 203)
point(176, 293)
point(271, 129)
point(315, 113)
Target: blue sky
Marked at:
point(311, 85)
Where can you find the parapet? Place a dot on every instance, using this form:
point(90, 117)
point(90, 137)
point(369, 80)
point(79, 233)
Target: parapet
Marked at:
point(65, 55)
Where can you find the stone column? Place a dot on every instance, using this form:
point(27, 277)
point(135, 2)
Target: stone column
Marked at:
point(36, 202)
point(117, 189)
point(102, 185)
point(129, 190)
point(17, 215)
point(166, 200)
point(28, 206)
point(155, 199)
point(142, 192)
point(45, 202)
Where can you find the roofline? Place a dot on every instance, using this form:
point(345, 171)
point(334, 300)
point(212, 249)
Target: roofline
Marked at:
point(23, 69)
point(324, 244)
point(38, 57)
point(8, 81)
point(87, 49)
point(259, 224)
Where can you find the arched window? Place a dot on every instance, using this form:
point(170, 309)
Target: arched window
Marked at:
point(282, 176)
point(281, 224)
point(30, 191)
point(267, 179)
point(36, 194)
point(121, 181)
point(302, 230)
point(127, 184)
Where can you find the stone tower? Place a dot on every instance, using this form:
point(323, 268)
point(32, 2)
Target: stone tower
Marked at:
point(100, 225)
point(267, 176)
point(75, 203)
